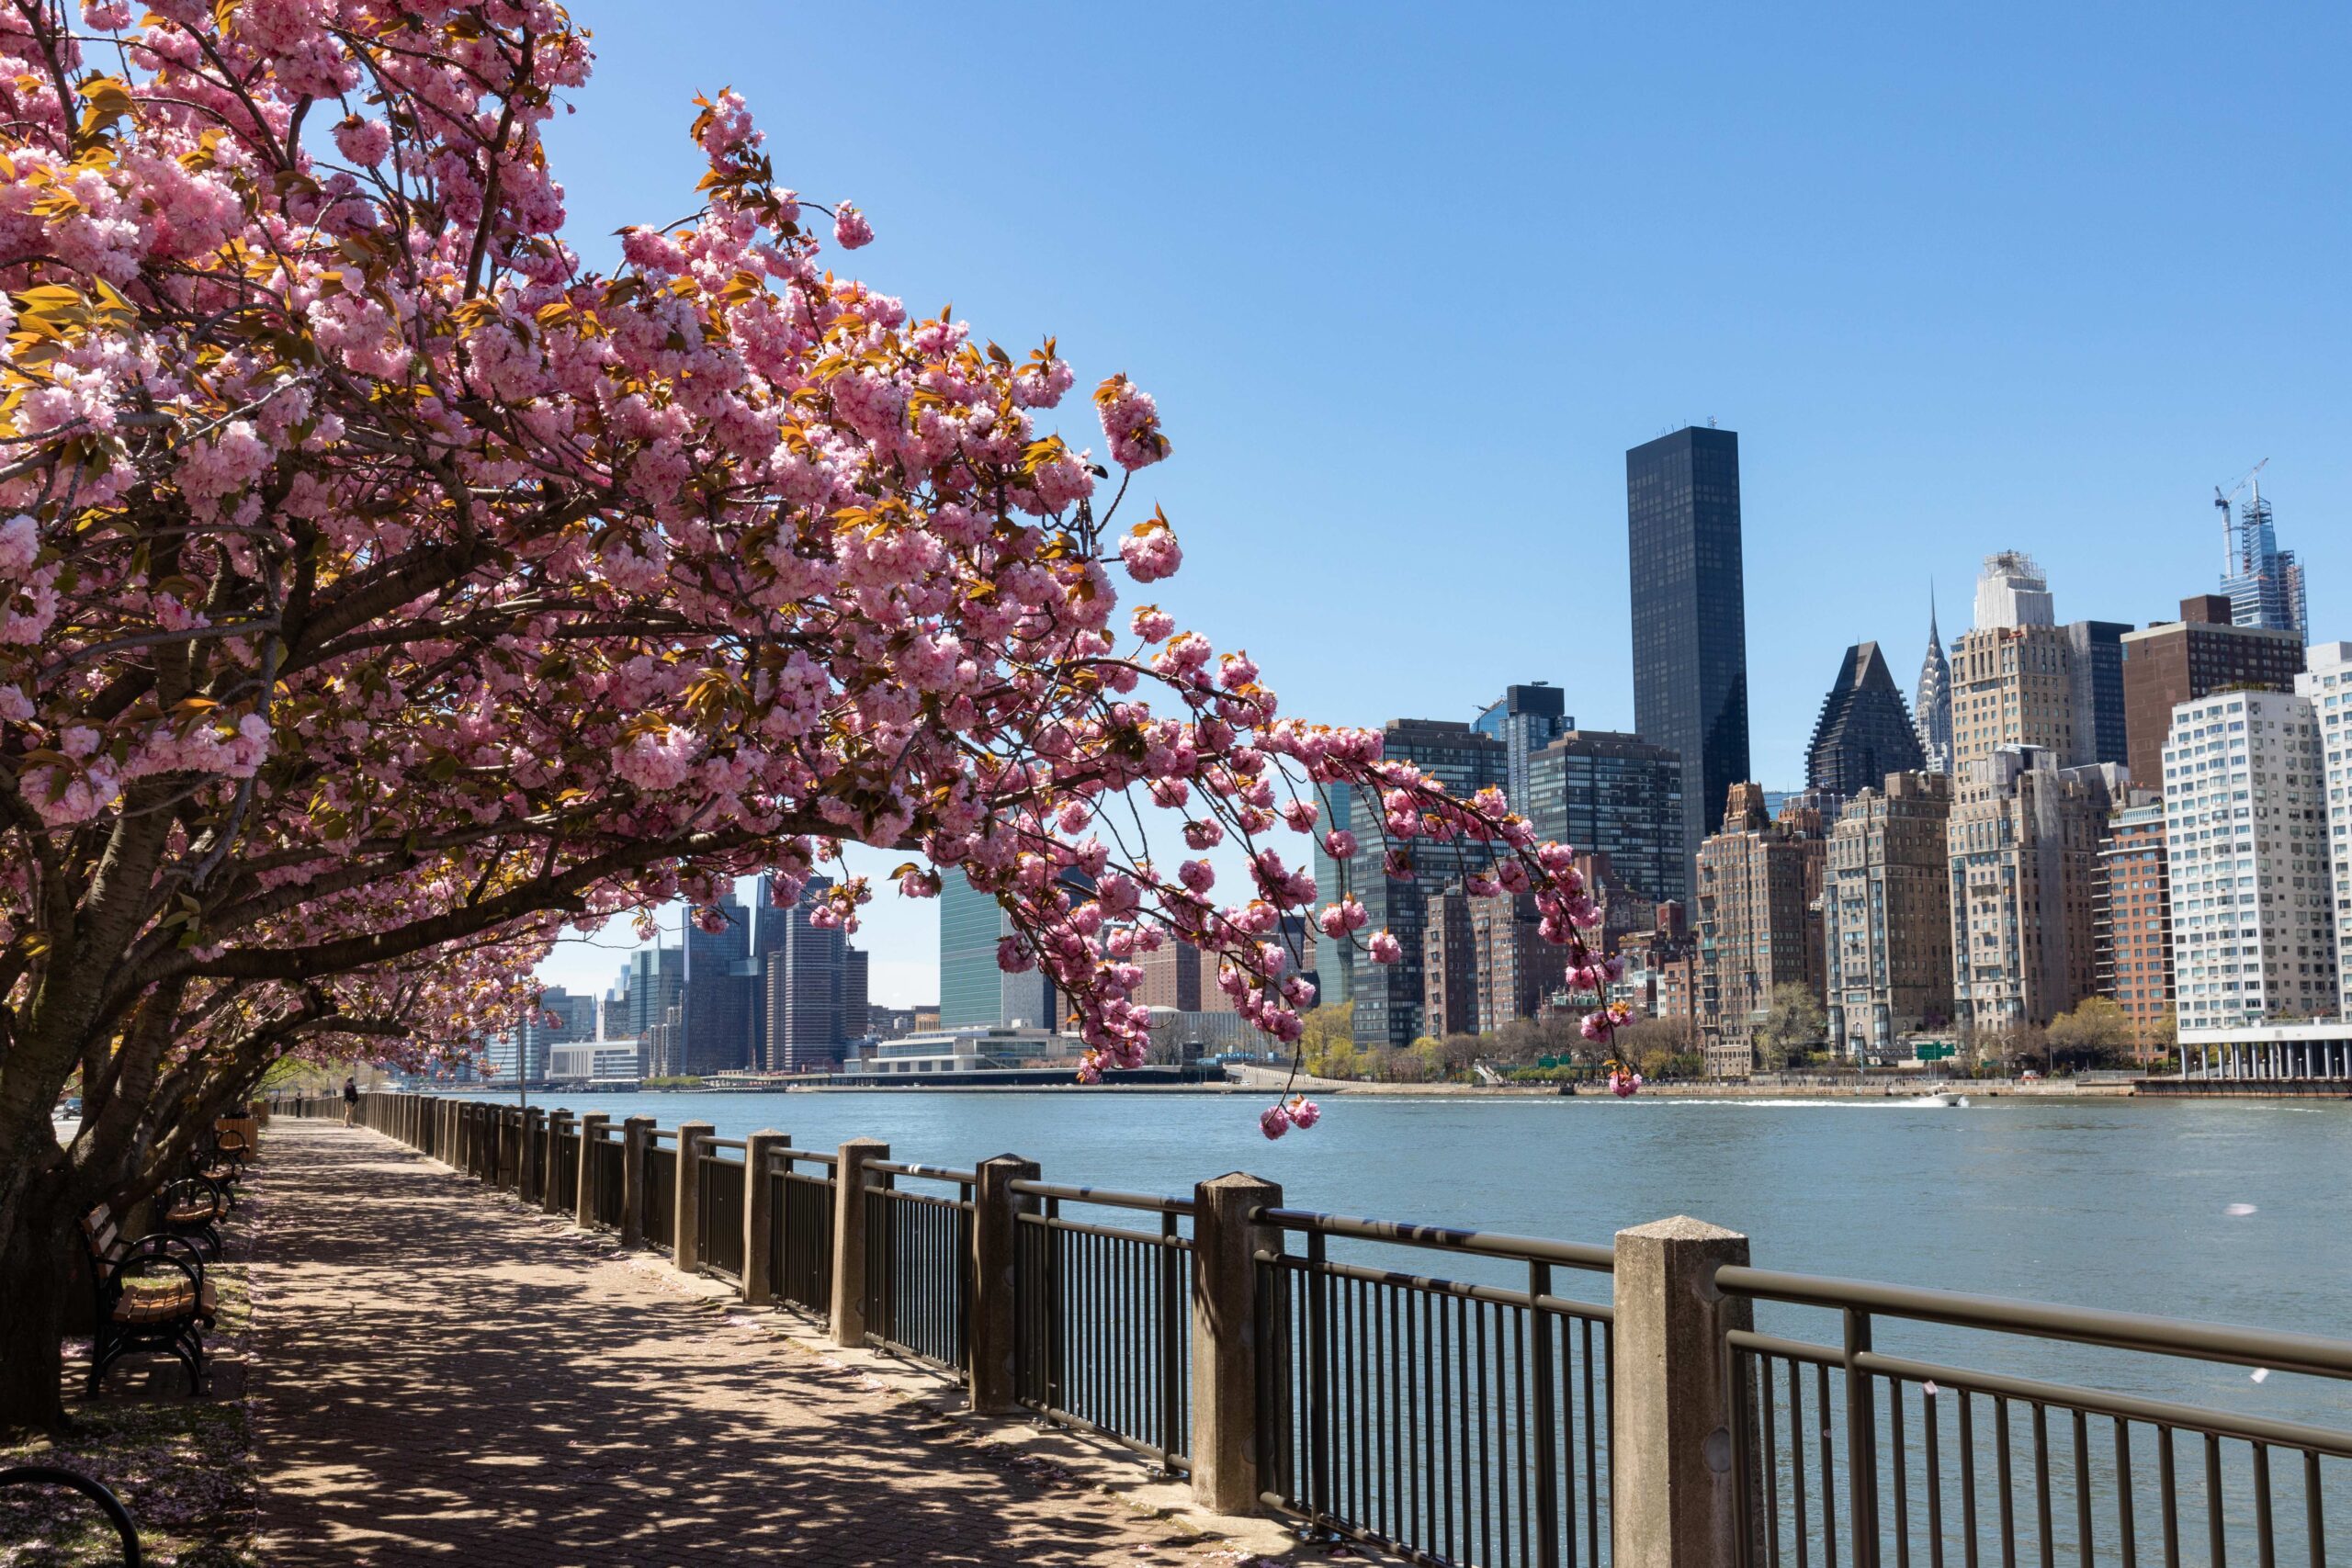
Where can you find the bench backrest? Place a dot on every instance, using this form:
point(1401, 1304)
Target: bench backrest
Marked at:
point(99, 1228)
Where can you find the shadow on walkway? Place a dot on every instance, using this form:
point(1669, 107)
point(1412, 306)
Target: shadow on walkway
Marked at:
point(439, 1376)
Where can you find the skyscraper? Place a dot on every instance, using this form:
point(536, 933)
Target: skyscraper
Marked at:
point(2024, 845)
point(1886, 913)
point(1760, 922)
point(1605, 791)
point(2020, 679)
point(802, 975)
point(2254, 933)
point(1388, 997)
point(2095, 649)
point(2327, 685)
point(654, 975)
point(714, 997)
point(1523, 718)
point(2171, 662)
point(2265, 583)
point(1864, 732)
point(971, 991)
point(2131, 914)
point(1689, 617)
point(974, 992)
point(1931, 710)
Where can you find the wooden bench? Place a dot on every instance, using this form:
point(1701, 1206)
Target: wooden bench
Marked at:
point(194, 1207)
point(222, 1159)
point(151, 1294)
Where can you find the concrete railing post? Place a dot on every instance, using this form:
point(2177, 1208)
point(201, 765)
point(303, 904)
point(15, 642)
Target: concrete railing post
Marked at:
point(592, 1132)
point(1225, 1338)
point(758, 1215)
point(849, 1237)
point(996, 1237)
point(636, 1136)
point(533, 1135)
point(551, 1160)
point(685, 1226)
point(1674, 1496)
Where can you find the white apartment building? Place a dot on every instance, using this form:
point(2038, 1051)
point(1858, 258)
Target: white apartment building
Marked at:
point(2326, 685)
point(2254, 928)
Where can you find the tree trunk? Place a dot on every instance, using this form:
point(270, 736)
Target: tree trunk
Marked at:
point(34, 1279)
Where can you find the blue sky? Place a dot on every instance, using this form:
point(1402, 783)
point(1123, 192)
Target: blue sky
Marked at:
point(1407, 280)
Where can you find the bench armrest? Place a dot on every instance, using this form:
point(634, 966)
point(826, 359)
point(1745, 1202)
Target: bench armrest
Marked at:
point(177, 1250)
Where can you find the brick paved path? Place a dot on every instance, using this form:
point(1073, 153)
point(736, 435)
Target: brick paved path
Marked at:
point(438, 1375)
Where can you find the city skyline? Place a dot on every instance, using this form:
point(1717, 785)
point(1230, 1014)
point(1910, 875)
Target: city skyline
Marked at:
point(1912, 392)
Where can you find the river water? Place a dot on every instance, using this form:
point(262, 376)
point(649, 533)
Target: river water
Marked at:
point(2131, 1205)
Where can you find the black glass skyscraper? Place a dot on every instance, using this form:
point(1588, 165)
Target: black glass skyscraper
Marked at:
point(1690, 614)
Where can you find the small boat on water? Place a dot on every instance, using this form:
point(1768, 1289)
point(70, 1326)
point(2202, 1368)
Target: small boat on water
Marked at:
point(1939, 1095)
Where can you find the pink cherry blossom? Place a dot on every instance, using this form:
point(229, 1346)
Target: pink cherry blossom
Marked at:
point(850, 228)
point(388, 594)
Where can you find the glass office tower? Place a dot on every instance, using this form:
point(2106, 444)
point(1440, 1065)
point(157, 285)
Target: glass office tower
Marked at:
point(1689, 616)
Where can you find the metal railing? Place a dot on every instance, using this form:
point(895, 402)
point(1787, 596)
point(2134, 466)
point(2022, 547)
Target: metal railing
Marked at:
point(719, 1207)
point(800, 1230)
point(1451, 1421)
point(1103, 1328)
point(1460, 1413)
point(564, 1164)
point(919, 1265)
point(605, 1157)
point(660, 1178)
point(1946, 1464)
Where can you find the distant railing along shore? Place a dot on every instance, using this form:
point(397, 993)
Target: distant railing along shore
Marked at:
point(1454, 1421)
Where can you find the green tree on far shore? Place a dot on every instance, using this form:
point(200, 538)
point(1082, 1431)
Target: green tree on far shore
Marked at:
point(1793, 1028)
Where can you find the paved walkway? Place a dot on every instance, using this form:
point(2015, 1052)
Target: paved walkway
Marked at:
point(439, 1375)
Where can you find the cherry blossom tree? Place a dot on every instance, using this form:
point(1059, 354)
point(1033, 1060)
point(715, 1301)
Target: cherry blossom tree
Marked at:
point(383, 590)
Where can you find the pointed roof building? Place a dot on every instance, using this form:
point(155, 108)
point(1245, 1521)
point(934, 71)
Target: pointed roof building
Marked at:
point(1932, 707)
point(1864, 732)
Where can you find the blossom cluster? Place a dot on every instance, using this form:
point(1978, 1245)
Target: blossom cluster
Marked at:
point(386, 592)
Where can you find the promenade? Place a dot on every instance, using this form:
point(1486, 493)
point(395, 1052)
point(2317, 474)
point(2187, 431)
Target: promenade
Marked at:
point(442, 1378)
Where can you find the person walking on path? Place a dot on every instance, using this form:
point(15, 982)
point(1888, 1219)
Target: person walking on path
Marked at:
point(350, 1100)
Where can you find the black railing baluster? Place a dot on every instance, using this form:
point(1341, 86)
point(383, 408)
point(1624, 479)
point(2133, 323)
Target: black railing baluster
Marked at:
point(2083, 1488)
point(1968, 1472)
point(1861, 1442)
point(1931, 1430)
point(2314, 1521)
point(2215, 1539)
point(1542, 1413)
point(1902, 1492)
point(2007, 1484)
point(1797, 1505)
point(2266, 1553)
point(1829, 1471)
point(1763, 1368)
point(2169, 1494)
point(2126, 1541)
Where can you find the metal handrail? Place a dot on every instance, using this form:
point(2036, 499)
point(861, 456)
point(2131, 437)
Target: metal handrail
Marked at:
point(931, 1172)
point(2329, 1440)
point(1600, 1312)
point(1445, 1238)
point(1105, 1197)
point(1108, 1232)
point(2307, 1353)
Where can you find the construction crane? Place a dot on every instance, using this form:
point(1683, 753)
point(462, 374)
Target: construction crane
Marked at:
point(2221, 500)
